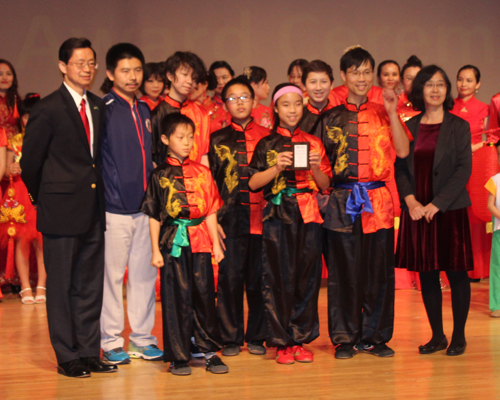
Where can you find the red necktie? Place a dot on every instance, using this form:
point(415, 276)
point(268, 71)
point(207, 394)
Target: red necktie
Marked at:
point(85, 120)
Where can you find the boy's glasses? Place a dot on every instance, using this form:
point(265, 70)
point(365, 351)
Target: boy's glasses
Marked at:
point(244, 99)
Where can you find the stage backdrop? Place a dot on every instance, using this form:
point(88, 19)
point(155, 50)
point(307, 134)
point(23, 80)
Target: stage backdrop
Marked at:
point(266, 33)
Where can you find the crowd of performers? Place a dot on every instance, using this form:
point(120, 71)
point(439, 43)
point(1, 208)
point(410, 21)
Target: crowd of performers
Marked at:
point(198, 181)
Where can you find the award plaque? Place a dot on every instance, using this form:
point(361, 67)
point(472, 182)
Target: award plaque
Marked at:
point(300, 160)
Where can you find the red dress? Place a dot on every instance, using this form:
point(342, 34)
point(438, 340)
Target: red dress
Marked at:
point(218, 116)
point(8, 118)
point(484, 165)
point(263, 116)
point(444, 243)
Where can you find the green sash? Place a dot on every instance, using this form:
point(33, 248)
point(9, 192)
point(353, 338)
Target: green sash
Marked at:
point(289, 192)
point(181, 238)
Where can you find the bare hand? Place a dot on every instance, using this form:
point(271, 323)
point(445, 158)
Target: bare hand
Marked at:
point(283, 160)
point(390, 100)
point(430, 210)
point(477, 146)
point(15, 168)
point(157, 260)
point(415, 208)
point(222, 236)
point(314, 159)
point(218, 253)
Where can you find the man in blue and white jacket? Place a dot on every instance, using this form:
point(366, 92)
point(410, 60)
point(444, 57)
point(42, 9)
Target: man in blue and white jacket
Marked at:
point(127, 164)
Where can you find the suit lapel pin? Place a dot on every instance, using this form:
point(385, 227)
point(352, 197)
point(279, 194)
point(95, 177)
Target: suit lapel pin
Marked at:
point(96, 108)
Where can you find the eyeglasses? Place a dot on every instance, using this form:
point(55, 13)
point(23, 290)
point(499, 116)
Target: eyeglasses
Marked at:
point(244, 99)
point(81, 64)
point(432, 85)
point(365, 73)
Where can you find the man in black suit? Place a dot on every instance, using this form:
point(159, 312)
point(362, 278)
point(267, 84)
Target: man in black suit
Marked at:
point(61, 169)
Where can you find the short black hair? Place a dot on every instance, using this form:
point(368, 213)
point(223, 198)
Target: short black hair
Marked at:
point(121, 51)
point(221, 64)
point(413, 61)
point(299, 62)
point(477, 74)
point(71, 44)
point(416, 96)
point(239, 80)
point(170, 122)
point(188, 60)
point(316, 66)
point(255, 74)
point(152, 69)
point(355, 57)
point(29, 102)
point(276, 118)
point(384, 63)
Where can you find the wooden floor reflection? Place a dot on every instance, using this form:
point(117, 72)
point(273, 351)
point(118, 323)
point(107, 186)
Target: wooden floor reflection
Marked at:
point(28, 367)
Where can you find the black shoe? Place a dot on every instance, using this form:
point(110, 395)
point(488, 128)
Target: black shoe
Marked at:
point(432, 348)
point(196, 351)
point(73, 369)
point(231, 350)
point(180, 368)
point(344, 351)
point(379, 350)
point(456, 350)
point(94, 364)
point(256, 348)
point(216, 366)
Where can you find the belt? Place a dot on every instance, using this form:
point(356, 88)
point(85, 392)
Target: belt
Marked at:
point(181, 237)
point(359, 200)
point(289, 192)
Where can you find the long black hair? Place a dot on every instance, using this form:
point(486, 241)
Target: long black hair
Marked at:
point(12, 95)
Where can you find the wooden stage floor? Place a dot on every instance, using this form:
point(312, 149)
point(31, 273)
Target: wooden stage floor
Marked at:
point(28, 367)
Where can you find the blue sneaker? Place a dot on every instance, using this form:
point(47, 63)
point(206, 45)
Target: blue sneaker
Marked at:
point(116, 356)
point(150, 352)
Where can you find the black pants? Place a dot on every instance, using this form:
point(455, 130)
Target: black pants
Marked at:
point(75, 276)
point(241, 268)
point(291, 262)
point(188, 304)
point(360, 285)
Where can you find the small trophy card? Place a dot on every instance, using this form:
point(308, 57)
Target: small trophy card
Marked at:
point(300, 156)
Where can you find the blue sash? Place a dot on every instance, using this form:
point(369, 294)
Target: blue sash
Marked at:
point(359, 200)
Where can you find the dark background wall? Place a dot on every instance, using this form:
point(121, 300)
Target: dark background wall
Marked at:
point(267, 33)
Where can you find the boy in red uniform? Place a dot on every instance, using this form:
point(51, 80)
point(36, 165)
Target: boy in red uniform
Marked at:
point(318, 81)
point(231, 150)
point(181, 201)
point(183, 71)
point(361, 139)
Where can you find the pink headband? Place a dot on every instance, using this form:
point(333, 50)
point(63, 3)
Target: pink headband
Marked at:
point(285, 90)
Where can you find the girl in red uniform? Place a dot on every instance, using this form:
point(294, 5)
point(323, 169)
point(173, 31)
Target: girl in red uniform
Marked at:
point(291, 256)
point(476, 114)
point(408, 73)
point(153, 84)
point(260, 85)
point(295, 70)
point(220, 73)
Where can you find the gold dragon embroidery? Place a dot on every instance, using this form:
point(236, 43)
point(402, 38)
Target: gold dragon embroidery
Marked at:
point(231, 178)
point(200, 186)
point(379, 159)
point(279, 180)
point(336, 135)
point(11, 210)
point(173, 207)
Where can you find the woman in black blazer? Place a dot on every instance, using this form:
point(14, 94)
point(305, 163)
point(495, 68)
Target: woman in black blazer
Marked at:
point(434, 235)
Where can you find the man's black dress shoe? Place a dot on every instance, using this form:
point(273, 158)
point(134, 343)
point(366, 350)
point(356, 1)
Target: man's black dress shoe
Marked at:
point(94, 364)
point(73, 369)
point(456, 350)
point(429, 349)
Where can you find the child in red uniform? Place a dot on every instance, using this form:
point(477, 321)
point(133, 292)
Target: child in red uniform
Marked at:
point(181, 201)
point(260, 85)
point(183, 71)
point(317, 78)
point(153, 84)
point(231, 150)
point(291, 256)
point(220, 73)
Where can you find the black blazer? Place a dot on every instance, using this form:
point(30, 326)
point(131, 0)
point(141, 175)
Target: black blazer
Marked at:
point(452, 164)
point(62, 177)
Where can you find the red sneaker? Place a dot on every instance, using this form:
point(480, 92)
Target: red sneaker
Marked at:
point(284, 355)
point(302, 355)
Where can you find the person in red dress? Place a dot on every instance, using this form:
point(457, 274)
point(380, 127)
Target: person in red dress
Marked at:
point(220, 73)
point(153, 84)
point(434, 235)
point(494, 113)
point(408, 73)
point(261, 114)
point(484, 164)
point(25, 227)
point(10, 123)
